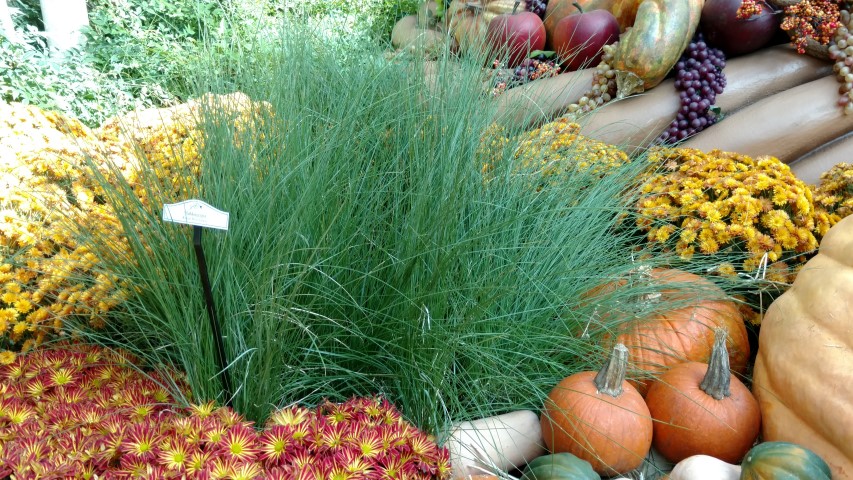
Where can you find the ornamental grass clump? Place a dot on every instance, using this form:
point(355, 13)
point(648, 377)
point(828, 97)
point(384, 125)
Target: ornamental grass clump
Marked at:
point(365, 253)
point(834, 193)
point(727, 204)
point(168, 141)
point(83, 412)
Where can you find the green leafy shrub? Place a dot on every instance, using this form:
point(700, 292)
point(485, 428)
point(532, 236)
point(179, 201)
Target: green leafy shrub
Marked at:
point(150, 44)
point(71, 84)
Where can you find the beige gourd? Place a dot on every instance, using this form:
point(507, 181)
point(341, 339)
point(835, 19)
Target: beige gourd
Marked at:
point(801, 376)
point(634, 122)
point(810, 166)
point(503, 442)
point(786, 125)
point(704, 467)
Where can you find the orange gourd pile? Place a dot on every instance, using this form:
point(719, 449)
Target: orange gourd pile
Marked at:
point(695, 405)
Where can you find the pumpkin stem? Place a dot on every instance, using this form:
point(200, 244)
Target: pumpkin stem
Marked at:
point(578, 6)
point(718, 377)
point(611, 376)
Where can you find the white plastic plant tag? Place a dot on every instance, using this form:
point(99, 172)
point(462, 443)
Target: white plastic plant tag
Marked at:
point(195, 212)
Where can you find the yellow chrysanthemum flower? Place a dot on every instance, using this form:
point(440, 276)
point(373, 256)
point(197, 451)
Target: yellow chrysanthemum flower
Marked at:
point(726, 269)
point(726, 202)
point(835, 190)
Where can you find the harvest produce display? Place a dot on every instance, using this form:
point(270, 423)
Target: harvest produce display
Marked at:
point(678, 60)
point(738, 115)
point(757, 98)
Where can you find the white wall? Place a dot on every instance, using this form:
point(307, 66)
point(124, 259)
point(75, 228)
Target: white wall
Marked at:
point(63, 20)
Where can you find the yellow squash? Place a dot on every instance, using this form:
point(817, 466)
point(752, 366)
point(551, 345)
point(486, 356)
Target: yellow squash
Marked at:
point(649, 49)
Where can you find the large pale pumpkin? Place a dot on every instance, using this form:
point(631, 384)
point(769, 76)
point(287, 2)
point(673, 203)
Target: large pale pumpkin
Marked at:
point(803, 377)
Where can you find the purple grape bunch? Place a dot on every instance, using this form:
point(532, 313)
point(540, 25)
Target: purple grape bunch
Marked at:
point(699, 78)
point(538, 7)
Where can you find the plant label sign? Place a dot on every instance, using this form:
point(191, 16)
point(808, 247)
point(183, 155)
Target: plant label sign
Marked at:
point(196, 213)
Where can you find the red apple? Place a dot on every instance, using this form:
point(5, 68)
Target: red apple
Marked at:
point(578, 37)
point(722, 29)
point(515, 35)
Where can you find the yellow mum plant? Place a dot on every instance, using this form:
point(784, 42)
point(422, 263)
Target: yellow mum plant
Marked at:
point(551, 150)
point(45, 275)
point(47, 186)
point(705, 203)
point(835, 191)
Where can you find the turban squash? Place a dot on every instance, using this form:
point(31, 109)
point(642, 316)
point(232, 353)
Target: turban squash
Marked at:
point(803, 376)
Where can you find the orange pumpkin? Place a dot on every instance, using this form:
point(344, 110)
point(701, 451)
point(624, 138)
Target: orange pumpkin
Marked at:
point(599, 417)
point(802, 375)
point(684, 334)
point(702, 409)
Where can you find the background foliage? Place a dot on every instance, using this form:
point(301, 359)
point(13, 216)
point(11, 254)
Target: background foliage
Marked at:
point(142, 53)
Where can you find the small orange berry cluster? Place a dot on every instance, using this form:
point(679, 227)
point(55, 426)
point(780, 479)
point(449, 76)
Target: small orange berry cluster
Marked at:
point(815, 19)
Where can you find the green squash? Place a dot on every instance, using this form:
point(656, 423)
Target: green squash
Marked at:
point(559, 466)
point(783, 461)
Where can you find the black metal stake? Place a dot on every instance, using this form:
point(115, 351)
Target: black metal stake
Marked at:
point(211, 314)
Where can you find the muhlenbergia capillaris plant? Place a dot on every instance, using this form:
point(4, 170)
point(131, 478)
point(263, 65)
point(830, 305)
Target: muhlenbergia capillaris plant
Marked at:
point(370, 250)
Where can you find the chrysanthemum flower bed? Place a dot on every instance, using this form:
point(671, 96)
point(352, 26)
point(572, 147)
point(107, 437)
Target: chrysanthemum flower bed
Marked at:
point(705, 203)
point(552, 150)
point(47, 187)
point(84, 412)
point(45, 275)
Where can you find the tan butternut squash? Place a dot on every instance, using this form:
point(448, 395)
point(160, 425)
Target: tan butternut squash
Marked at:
point(636, 121)
point(786, 125)
point(810, 166)
point(543, 100)
point(505, 442)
